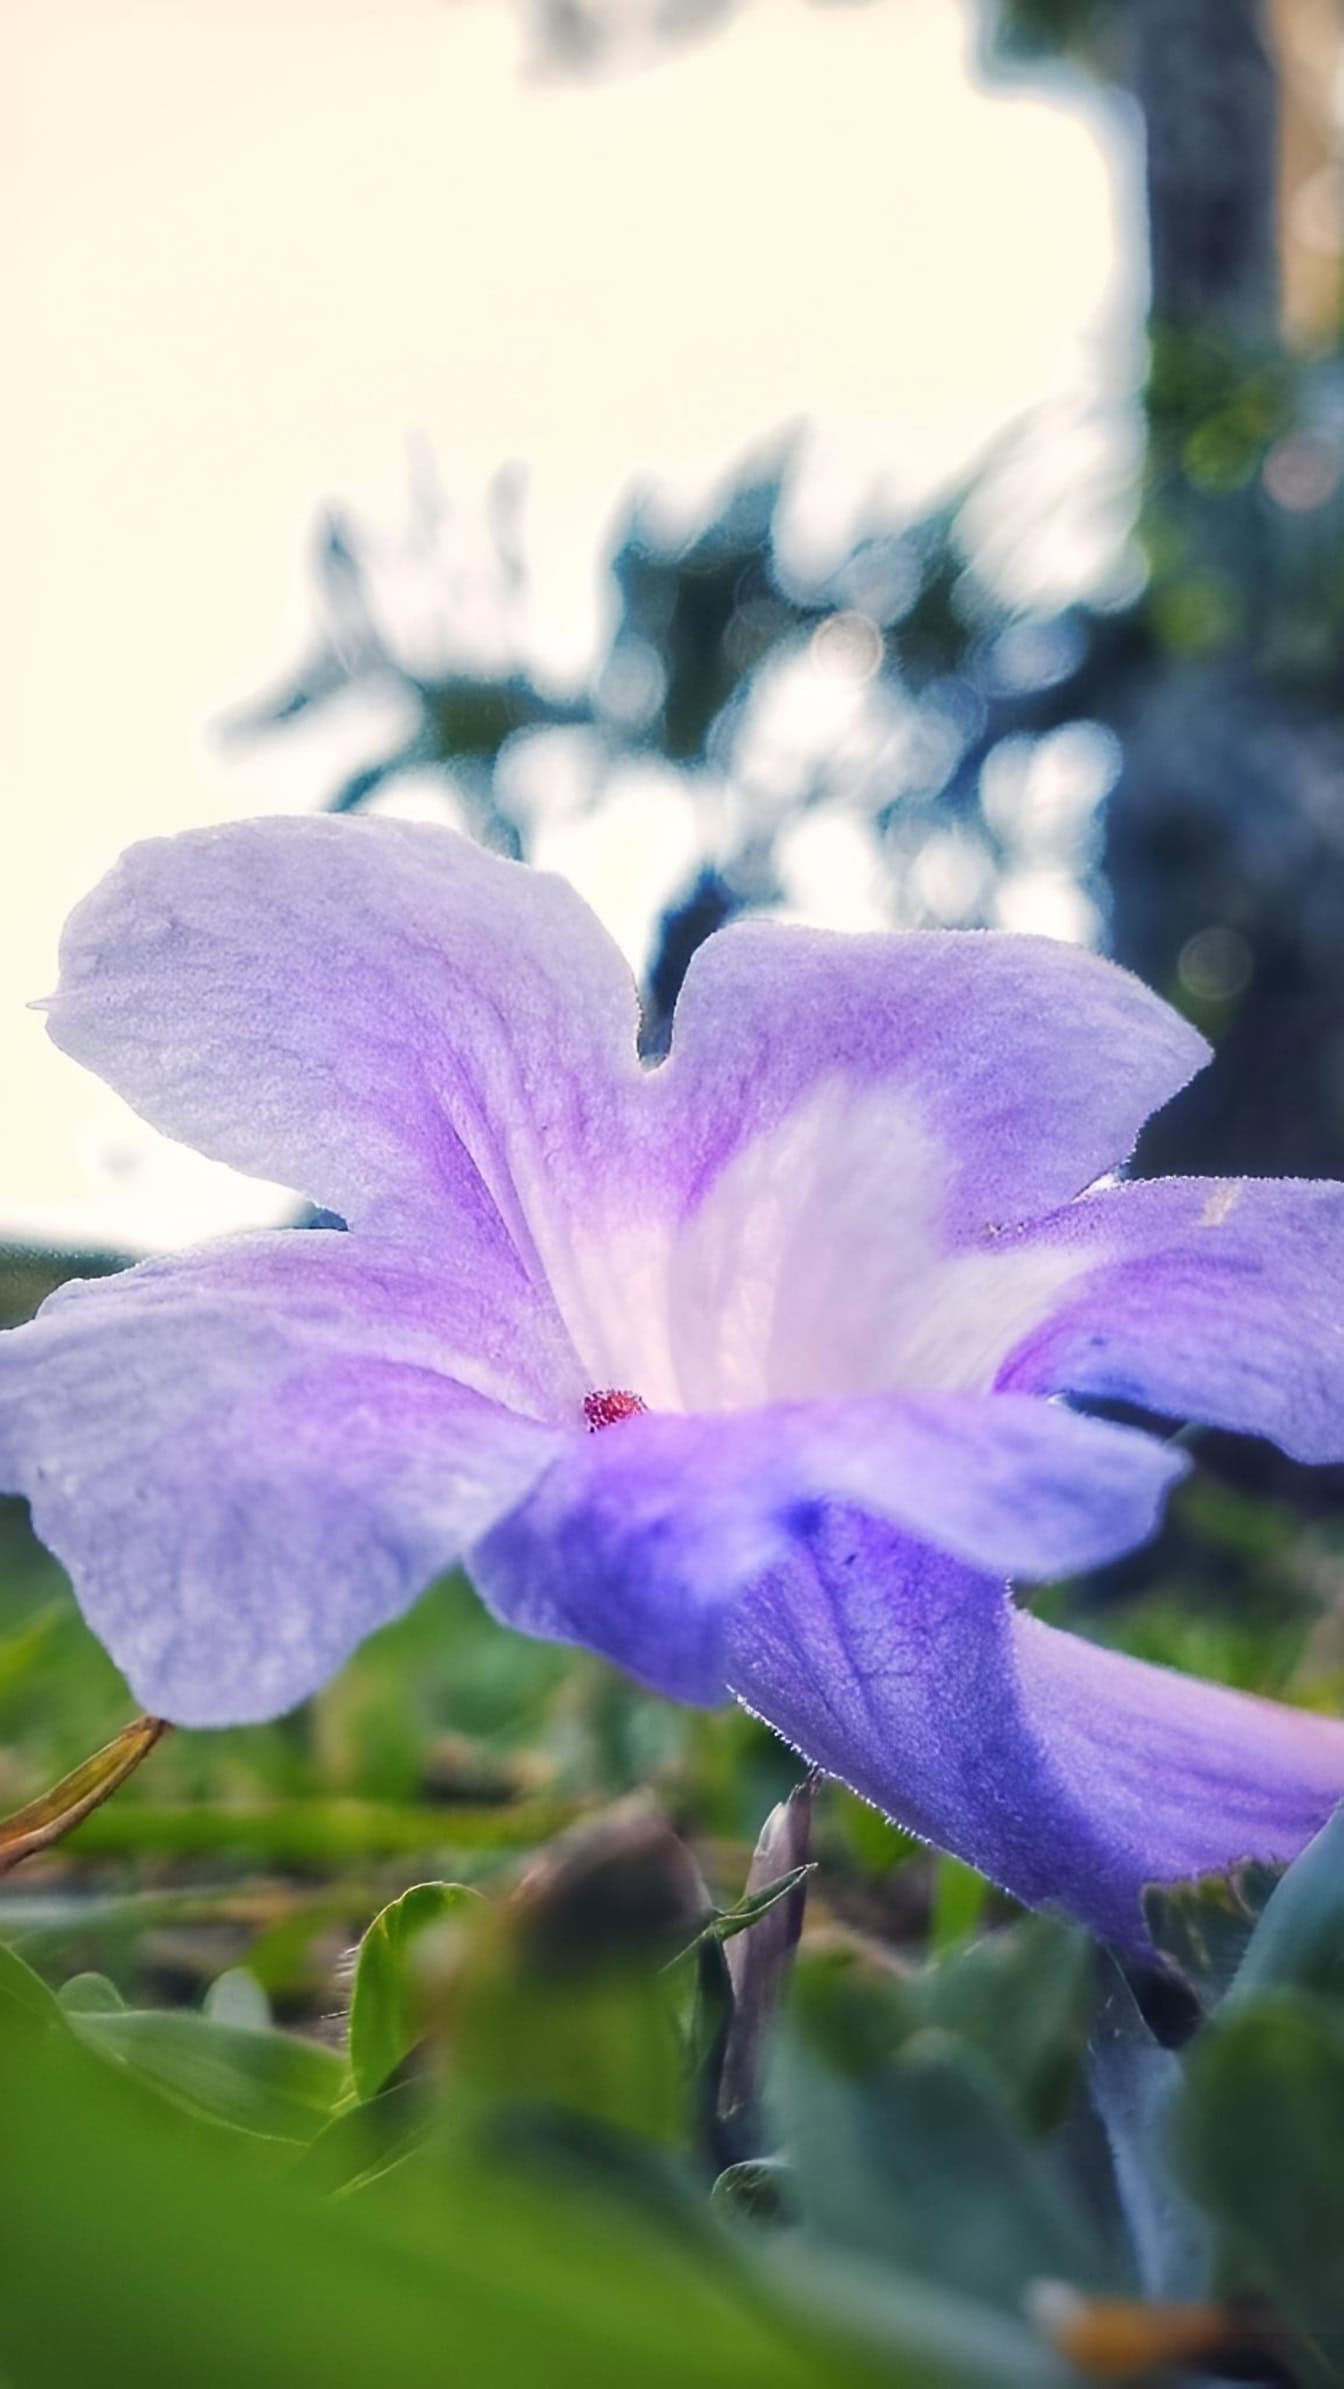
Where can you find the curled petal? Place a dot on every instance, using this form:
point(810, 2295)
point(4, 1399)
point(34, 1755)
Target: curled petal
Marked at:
point(251, 1456)
point(1071, 1775)
point(640, 1539)
point(1209, 1299)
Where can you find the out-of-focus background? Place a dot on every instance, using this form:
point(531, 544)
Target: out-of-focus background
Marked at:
point(683, 439)
point(881, 462)
point(714, 449)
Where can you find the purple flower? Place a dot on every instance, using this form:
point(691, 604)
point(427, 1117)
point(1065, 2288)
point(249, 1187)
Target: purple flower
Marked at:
point(735, 1370)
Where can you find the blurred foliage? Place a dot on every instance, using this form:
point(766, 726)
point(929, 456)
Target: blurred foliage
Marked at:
point(1008, 2164)
point(1031, 32)
point(1162, 768)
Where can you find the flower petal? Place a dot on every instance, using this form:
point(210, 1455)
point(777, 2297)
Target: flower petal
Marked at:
point(1069, 1774)
point(251, 1456)
point(1028, 1065)
point(639, 1539)
point(377, 1013)
point(848, 1120)
point(1208, 1299)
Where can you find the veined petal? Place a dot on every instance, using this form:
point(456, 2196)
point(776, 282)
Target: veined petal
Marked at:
point(379, 1014)
point(1071, 1775)
point(251, 1456)
point(1031, 1064)
point(639, 1540)
point(1220, 1300)
point(846, 1114)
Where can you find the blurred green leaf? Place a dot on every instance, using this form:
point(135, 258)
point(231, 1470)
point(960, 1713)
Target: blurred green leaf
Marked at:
point(444, 2270)
point(270, 2083)
point(873, 1842)
point(959, 1896)
point(90, 1995)
point(1022, 1999)
point(22, 1652)
point(24, 1997)
point(361, 2141)
point(1298, 1943)
point(920, 2164)
point(1262, 2138)
point(47, 1923)
point(318, 1832)
point(388, 2001)
point(237, 1998)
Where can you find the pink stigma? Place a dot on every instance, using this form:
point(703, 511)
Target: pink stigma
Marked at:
point(610, 1404)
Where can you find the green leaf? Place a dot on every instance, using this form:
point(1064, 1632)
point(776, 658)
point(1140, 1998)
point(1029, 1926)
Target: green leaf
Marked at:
point(90, 1995)
point(319, 1832)
point(1022, 1999)
point(1299, 1940)
point(387, 2003)
point(236, 1997)
point(22, 1652)
point(270, 2083)
point(1262, 2138)
point(876, 1846)
point(47, 1924)
point(959, 1896)
point(362, 2140)
point(24, 1997)
point(439, 2272)
point(919, 2163)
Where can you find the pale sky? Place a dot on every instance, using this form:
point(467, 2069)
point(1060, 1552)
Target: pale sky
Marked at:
point(252, 248)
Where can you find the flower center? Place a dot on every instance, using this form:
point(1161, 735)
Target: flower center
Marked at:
point(605, 1407)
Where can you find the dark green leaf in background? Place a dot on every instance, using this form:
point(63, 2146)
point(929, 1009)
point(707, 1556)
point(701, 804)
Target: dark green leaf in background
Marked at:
point(1298, 1942)
point(1262, 2139)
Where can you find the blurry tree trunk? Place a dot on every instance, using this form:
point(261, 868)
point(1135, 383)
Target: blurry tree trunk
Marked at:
point(1229, 813)
point(1205, 80)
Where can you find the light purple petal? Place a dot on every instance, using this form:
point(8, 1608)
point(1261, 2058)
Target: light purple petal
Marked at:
point(428, 1039)
point(251, 1456)
point(639, 1539)
point(377, 1013)
point(1071, 1775)
point(1025, 1068)
point(1209, 1299)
